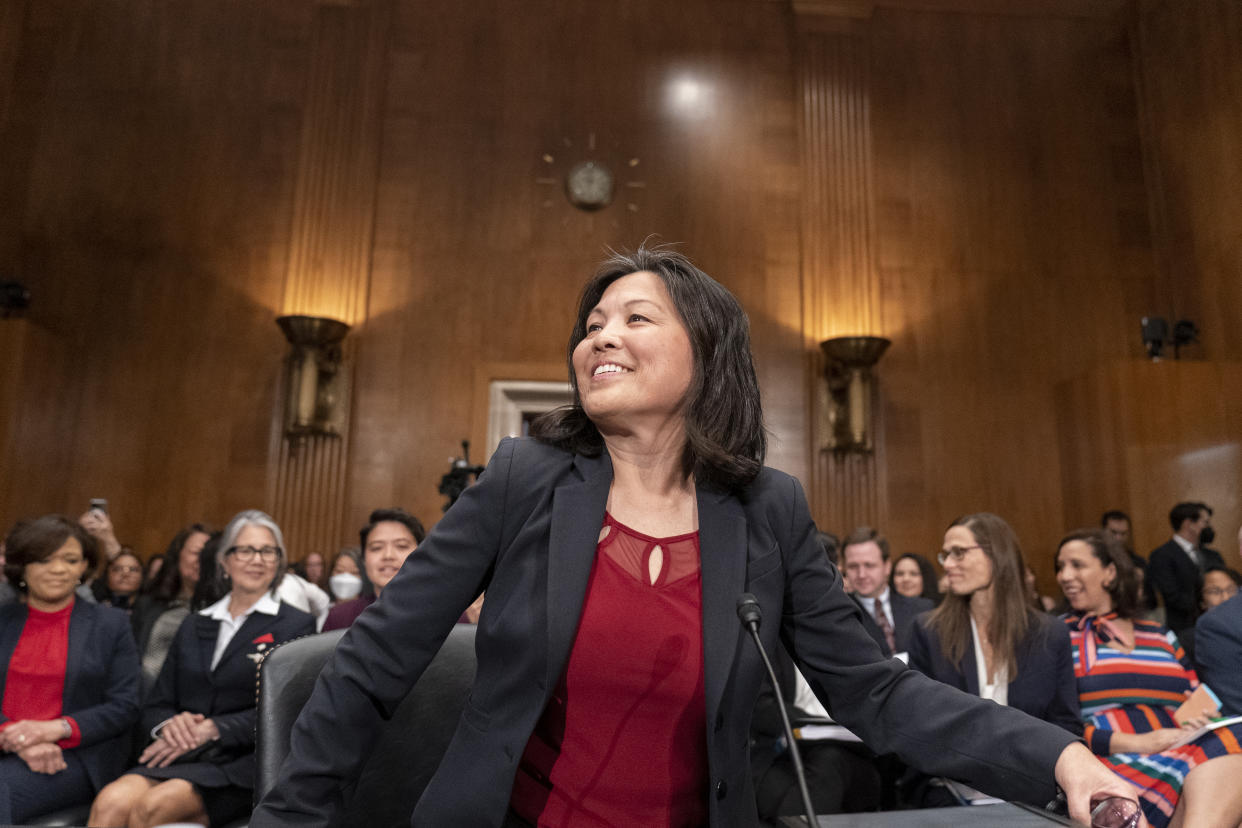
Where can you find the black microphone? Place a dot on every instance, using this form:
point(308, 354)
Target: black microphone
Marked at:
point(750, 614)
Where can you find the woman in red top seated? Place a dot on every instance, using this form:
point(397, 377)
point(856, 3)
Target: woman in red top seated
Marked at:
point(615, 684)
point(68, 676)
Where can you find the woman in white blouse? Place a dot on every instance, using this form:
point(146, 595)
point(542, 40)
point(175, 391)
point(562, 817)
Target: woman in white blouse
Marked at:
point(985, 638)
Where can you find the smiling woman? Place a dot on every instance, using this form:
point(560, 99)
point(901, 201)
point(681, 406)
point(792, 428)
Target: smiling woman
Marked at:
point(68, 673)
point(199, 765)
point(613, 685)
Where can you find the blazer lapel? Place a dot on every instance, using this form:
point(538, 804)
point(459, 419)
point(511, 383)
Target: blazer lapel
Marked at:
point(723, 555)
point(255, 623)
point(207, 630)
point(970, 667)
point(79, 639)
point(577, 515)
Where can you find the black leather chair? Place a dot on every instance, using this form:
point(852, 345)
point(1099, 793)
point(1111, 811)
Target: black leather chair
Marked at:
point(404, 759)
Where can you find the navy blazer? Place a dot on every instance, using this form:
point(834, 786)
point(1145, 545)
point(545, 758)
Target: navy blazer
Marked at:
point(905, 610)
point(1045, 686)
point(527, 533)
point(101, 682)
point(1218, 653)
point(226, 694)
point(1178, 579)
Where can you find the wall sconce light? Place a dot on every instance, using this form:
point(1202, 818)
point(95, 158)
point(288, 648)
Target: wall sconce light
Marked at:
point(318, 389)
point(847, 410)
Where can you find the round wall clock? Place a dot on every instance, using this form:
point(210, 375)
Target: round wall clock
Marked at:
point(589, 185)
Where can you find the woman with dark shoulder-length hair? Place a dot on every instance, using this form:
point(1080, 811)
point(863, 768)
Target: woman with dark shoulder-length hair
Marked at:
point(200, 765)
point(614, 682)
point(1132, 674)
point(68, 675)
point(985, 638)
point(915, 577)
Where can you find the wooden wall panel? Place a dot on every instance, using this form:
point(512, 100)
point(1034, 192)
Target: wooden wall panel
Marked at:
point(1190, 65)
point(329, 265)
point(478, 264)
point(1147, 457)
point(1011, 251)
point(148, 160)
point(841, 288)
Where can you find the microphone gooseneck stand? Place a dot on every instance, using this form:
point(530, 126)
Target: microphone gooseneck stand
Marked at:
point(749, 613)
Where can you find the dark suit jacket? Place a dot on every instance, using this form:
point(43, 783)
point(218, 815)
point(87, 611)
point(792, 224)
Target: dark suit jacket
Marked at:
point(1045, 686)
point(226, 694)
point(101, 682)
point(905, 610)
point(1218, 653)
point(527, 533)
point(1178, 580)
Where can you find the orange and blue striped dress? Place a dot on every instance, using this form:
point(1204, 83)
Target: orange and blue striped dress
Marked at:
point(1137, 692)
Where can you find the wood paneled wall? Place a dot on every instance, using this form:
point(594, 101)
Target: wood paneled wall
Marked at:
point(979, 186)
point(1190, 66)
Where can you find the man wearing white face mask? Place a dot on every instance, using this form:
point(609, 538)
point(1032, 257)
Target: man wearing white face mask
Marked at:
point(387, 540)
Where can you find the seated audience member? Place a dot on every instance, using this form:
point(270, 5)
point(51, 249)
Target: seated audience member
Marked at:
point(158, 613)
point(151, 573)
point(387, 540)
point(122, 579)
point(200, 765)
point(1219, 585)
point(987, 640)
point(1176, 568)
point(914, 577)
point(348, 580)
point(68, 676)
point(841, 776)
point(313, 570)
point(1219, 653)
point(1039, 601)
point(887, 615)
point(1116, 525)
point(1132, 675)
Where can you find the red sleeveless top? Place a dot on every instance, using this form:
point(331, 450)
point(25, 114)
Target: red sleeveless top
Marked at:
point(623, 738)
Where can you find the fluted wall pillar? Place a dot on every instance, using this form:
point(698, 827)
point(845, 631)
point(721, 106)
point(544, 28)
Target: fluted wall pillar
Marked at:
point(329, 260)
point(841, 291)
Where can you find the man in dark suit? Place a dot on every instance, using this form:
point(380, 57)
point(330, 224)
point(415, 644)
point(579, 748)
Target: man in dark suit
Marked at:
point(1176, 568)
point(1218, 653)
point(887, 615)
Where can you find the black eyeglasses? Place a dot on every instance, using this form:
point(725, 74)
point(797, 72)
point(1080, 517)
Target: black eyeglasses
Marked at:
point(247, 553)
point(130, 570)
point(955, 552)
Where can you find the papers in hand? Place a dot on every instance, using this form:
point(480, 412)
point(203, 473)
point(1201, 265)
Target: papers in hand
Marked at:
point(1190, 735)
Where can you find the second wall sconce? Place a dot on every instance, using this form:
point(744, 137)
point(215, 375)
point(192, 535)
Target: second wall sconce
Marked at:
point(847, 412)
point(318, 391)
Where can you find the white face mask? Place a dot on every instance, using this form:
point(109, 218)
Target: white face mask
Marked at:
point(345, 585)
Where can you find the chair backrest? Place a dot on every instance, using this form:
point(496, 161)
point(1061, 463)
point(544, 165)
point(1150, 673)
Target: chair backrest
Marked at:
point(403, 761)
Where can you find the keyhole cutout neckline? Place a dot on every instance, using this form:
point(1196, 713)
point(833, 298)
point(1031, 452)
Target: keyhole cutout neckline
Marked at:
point(654, 562)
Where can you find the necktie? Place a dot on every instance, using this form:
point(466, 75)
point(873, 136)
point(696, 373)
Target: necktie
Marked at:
point(881, 619)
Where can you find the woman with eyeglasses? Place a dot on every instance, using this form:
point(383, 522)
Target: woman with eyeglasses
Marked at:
point(1132, 675)
point(986, 639)
point(123, 578)
point(199, 766)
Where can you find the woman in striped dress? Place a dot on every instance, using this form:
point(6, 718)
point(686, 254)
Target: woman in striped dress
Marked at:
point(1132, 675)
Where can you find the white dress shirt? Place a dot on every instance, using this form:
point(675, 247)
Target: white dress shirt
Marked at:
point(230, 625)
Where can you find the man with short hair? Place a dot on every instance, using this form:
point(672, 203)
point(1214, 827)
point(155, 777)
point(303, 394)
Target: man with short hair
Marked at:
point(887, 615)
point(1218, 646)
point(1176, 568)
point(1117, 526)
